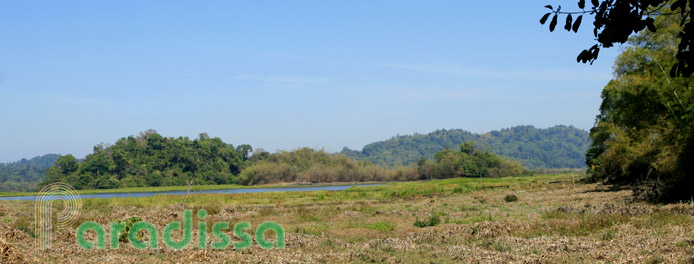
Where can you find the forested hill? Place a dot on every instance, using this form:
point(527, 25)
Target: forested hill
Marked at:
point(554, 147)
point(25, 174)
point(152, 160)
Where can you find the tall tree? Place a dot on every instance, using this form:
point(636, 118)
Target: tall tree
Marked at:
point(644, 134)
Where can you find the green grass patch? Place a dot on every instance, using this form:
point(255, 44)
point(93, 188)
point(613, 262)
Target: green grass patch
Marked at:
point(659, 219)
point(319, 197)
point(685, 243)
point(313, 229)
point(385, 227)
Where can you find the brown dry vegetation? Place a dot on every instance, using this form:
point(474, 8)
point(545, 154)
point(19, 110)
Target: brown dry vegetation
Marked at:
point(550, 223)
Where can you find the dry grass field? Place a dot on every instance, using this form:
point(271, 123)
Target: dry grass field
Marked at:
point(552, 220)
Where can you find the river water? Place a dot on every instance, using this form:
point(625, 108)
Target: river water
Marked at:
point(248, 190)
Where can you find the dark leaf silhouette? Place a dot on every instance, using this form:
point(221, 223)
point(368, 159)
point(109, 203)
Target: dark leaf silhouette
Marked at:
point(553, 24)
point(577, 23)
point(569, 19)
point(544, 18)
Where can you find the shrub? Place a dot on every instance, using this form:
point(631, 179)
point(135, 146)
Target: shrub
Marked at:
point(434, 220)
point(511, 198)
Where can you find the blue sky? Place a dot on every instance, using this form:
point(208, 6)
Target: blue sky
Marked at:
point(284, 74)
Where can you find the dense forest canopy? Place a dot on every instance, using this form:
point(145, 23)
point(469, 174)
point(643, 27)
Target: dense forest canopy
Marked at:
point(554, 147)
point(25, 174)
point(152, 160)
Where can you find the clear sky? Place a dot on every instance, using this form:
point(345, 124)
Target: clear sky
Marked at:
point(285, 74)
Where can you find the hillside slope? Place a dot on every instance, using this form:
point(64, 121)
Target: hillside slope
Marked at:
point(554, 147)
point(25, 174)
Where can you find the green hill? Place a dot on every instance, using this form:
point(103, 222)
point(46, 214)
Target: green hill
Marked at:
point(25, 174)
point(152, 160)
point(535, 148)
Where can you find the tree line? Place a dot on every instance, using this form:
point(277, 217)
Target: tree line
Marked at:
point(152, 160)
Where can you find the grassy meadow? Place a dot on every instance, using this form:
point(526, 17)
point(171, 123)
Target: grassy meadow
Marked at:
point(534, 219)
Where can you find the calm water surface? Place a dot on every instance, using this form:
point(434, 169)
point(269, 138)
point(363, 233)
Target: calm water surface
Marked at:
point(249, 190)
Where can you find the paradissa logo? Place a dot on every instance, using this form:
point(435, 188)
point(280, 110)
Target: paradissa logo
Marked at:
point(217, 231)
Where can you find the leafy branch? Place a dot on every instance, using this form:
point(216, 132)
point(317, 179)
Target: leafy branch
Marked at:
point(616, 20)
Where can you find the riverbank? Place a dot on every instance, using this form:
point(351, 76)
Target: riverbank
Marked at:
point(194, 188)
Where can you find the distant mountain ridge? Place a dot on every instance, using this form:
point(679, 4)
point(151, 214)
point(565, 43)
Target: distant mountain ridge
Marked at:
point(25, 174)
point(535, 148)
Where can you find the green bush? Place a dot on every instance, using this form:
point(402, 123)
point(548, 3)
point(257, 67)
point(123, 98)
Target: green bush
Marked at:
point(510, 198)
point(434, 220)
